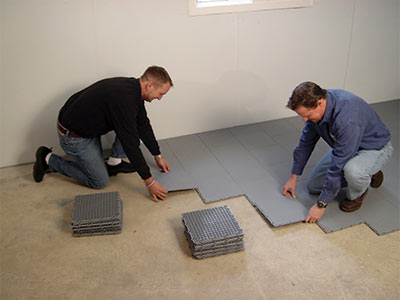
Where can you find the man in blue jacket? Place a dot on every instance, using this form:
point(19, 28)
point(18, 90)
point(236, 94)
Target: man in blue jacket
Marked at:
point(359, 140)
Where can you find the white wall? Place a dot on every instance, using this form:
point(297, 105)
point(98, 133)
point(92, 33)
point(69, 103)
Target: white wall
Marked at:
point(228, 69)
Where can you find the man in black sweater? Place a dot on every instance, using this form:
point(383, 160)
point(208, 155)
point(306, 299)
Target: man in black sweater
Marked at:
point(114, 104)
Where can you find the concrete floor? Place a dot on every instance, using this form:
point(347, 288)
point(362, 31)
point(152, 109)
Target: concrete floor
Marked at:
point(150, 259)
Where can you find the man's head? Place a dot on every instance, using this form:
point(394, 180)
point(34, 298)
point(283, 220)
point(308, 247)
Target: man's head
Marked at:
point(308, 100)
point(155, 83)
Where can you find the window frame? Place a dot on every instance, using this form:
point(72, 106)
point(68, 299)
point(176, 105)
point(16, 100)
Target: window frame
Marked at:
point(256, 5)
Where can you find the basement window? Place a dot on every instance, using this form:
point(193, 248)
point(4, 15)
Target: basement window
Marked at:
point(207, 7)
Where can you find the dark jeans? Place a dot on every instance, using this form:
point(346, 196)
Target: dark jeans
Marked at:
point(88, 166)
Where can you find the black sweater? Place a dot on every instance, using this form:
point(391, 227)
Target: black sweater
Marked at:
point(113, 104)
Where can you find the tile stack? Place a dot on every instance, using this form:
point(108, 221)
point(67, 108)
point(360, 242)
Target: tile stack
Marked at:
point(97, 214)
point(213, 231)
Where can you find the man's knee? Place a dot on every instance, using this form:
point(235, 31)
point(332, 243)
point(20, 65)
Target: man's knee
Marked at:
point(99, 182)
point(353, 173)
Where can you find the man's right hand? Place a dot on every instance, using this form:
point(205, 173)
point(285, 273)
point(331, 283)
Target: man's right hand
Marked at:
point(290, 186)
point(156, 190)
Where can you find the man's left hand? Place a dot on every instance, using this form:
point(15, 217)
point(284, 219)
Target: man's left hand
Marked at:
point(315, 214)
point(163, 165)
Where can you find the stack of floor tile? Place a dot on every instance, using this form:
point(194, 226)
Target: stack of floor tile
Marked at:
point(97, 214)
point(213, 231)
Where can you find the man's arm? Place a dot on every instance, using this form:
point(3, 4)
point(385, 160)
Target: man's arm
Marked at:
point(303, 151)
point(300, 157)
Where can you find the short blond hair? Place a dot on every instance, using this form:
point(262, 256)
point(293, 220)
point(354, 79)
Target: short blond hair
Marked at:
point(158, 75)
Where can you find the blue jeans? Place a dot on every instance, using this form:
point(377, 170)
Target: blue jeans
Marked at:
point(88, 166)
point(356, 173)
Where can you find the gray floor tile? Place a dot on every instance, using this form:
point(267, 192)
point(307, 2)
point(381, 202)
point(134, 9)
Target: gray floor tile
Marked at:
point(288, 140)
point(297, 122)
point(175, 180)
point(278, 127)
point(216, 189)
point(252, 135)
point(266, 196)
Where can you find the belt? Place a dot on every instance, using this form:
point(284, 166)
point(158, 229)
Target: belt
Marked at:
point(64, 131)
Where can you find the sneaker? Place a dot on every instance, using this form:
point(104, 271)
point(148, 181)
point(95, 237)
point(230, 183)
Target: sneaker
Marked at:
point(376, 180)
point(352, 205)
point(40, 167)
point(122, 167)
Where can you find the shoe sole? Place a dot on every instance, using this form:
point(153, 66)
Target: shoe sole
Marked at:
point(38, 170)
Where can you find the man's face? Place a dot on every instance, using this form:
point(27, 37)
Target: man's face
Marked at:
point(152, 92)
point(312, 114)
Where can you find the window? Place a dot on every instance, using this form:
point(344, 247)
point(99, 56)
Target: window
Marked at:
point(205, 7)
point(211, 3)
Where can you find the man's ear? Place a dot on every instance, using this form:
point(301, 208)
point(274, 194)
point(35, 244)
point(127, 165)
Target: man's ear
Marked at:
point(149, 85)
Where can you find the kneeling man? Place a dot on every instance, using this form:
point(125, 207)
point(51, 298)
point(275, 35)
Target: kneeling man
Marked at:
point(359, 140)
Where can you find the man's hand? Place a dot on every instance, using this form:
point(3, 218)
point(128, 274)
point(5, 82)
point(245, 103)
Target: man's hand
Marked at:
point(315, 214)
point(290, 186)
point(156, 190)
point(163, 164)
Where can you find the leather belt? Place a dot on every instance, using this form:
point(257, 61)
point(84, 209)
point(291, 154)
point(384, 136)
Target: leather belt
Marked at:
point(64, 131)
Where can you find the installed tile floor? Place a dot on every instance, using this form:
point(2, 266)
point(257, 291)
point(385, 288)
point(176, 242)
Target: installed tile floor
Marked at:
point(255, 160)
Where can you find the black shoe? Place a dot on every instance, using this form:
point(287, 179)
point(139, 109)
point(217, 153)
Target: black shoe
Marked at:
point(40, 167)
point(122, 167)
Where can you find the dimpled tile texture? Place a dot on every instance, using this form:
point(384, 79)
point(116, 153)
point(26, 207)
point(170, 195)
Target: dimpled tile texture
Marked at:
point(97, 214)
point(213, 231)
point(255, 160)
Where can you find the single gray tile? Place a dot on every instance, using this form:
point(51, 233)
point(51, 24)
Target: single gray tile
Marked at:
point(266, 195)
point(177, 178)
point(218, 188)
point(196, 158)
point(379, 213)
point(278, 127)
point(297, 122)
point(288, 141)
point(261, 146)
point(234, 158)
point(271, 155)
point(334, 219)
point(252, 136)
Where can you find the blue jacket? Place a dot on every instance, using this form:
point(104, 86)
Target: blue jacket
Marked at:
point(348, 125)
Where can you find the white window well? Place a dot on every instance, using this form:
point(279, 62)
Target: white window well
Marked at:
point(206, 7)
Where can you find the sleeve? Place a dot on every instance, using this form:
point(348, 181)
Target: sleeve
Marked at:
point(346, 145)
point(146, 133)
point(302, 152)
point(124, 120)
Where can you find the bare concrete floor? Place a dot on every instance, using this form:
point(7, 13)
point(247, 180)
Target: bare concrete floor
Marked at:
point(150, 259)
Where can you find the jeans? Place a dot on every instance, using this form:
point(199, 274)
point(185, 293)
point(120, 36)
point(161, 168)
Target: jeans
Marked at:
point(356, 173)
point(88, 166)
